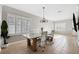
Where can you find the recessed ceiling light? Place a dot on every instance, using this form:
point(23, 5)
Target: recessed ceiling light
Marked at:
point(59, 11)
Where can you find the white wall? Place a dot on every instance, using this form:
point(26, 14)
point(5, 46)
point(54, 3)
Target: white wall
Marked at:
point(0, 16)
point(0, 24)
point(36, 26)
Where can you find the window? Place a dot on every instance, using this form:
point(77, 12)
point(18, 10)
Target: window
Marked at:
point(18, 24)
point(11, 23)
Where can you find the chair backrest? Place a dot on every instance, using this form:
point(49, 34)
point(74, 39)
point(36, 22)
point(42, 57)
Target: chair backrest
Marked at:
point(52, 33)
point(44, 36)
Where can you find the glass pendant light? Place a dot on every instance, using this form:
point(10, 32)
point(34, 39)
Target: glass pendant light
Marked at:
point(44, 19)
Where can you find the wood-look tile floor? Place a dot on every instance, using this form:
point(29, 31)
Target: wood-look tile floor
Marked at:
point(63, 44)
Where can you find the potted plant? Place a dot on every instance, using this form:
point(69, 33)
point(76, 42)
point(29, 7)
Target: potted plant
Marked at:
point(4, 30)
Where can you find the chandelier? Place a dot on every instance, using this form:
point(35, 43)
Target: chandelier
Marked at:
point(44, 19)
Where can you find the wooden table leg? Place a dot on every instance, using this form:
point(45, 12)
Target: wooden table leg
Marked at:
point(34, 44)
point(28, 42)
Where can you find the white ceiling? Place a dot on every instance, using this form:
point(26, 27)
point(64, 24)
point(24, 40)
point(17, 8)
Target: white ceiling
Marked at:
point(54, 12)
